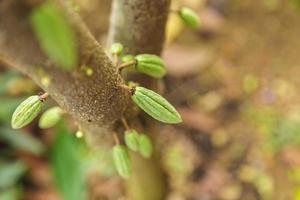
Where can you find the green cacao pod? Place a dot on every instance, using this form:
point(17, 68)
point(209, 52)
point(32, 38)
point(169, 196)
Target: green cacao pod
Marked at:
point(131, 140)
point(116, 48)
point(189, 17)
point(155, 105)
point(122, 161)
point(151, 65)
point(26, 112)
point(145, 146)
point(50, 117)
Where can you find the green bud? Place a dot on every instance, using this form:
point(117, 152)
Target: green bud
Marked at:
point(131, 140)
point(155, 105)
point(122, 161)
point(151, 65)
point(127, 58)
point(145, 146)
point(50, 117)
point(116, 48)
point(189, 17)
point(26, 112)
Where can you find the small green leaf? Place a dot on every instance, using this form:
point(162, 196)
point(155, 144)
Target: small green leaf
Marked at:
point(151, 65)
point(189, 17)
point(122, 161)
point(145, 146)
point(116, 48)
point(55, 35)
point(131, 140)
point(50, 117)
point(26, 112)
point(156, 106)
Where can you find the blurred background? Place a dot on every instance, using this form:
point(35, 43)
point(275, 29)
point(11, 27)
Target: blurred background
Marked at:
point(235, 82)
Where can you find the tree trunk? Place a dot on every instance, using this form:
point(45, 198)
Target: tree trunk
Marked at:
point(140, 26)
point(96, 102)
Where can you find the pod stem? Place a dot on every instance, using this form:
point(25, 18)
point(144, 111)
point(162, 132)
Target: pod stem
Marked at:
point(115, 60)
point(116, 138)
point(125, 124)
point(126, 64)
point(44, 96)
point(131, 90)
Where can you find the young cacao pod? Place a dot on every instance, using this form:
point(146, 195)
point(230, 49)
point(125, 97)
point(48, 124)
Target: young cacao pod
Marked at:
point(50, 117)
point(131, 140)
point(122, 161)
point(151, 65)
point(145, 146)
point(155, 105)
point(116, 48)
point(189, 17)
point(26, 112)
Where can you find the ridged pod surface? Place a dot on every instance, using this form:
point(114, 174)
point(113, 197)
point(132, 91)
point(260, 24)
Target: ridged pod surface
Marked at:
point(50, 117)
point(26, 112)
point(145, 146)
point(155, 105)
point(131, 140)
point(151, 65)
point(122, 161)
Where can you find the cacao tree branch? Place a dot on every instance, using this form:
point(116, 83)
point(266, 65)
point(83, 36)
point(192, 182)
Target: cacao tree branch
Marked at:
point(140, 26)
point(94, 101)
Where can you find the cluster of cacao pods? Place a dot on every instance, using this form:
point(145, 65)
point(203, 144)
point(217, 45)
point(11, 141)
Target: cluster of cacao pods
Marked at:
point(134, 141)
point(30, 108)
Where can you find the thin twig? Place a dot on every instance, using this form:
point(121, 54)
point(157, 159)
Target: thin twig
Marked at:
point(116, 139)
point(44, 96)
point(125, 123)
point(126, 64)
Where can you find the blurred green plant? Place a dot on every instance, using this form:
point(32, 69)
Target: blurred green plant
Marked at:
point(21, 141)
point(67, 169)
point(54, 34)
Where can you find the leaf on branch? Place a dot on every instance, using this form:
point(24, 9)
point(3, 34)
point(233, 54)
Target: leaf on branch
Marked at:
point(55, 35)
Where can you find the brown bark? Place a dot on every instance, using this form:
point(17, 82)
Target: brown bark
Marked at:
point(96, 101)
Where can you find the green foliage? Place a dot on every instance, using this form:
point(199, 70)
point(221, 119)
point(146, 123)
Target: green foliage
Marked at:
point(55, 35)
point(5, 78)
point(21, 141)
point(145, 146)
point(51, 117)
point(156, 106)
point(66, 165)
point(10, 105)
point(12, 193)
point(26, 112)
point(189, 17)
point(151, 65)
point(131, 140)
point(10, 173)
point(122, 161)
